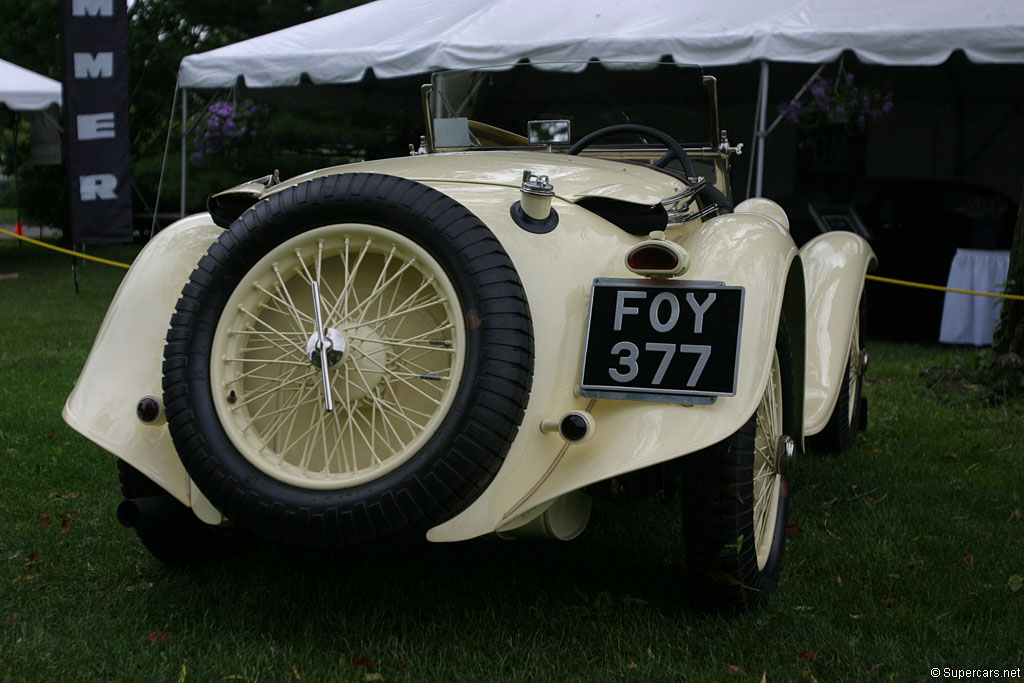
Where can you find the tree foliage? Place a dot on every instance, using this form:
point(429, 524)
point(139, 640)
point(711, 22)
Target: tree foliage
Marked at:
point(161, 33)
point(30, 35)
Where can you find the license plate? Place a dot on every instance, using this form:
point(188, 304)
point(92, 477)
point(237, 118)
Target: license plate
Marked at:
point(665, 340)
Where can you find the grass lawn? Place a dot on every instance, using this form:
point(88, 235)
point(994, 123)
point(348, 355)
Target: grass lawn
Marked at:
point(904, 554)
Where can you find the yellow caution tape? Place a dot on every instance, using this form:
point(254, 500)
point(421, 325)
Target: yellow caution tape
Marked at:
point(65, 251)
point(905, 283)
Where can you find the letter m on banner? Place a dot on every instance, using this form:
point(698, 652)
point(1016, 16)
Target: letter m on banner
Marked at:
point(96, 99)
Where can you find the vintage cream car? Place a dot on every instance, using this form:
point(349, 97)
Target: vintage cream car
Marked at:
point(551, 301)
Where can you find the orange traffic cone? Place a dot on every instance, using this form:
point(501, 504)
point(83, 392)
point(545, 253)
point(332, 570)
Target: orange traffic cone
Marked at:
point(17, 229)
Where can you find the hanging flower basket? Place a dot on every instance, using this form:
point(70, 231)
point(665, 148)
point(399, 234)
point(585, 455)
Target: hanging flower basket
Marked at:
point(227, 131)
point(837, 102)
point(832, 116)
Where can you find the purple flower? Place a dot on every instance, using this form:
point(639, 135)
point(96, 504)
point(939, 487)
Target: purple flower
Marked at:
point(224, 128)
point(838, 101)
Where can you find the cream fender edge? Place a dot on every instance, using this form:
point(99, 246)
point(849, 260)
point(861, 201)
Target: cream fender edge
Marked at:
point(539, 467)
point(125, 362)
point(834, 267)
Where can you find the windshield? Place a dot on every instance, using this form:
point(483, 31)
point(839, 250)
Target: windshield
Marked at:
point(495, 108)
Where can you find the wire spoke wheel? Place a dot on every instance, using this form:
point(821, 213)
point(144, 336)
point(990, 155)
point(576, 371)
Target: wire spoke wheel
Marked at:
point(396, 350)
point(767, 465)
point(854, 374)
point(349, 362)
point(735, 498)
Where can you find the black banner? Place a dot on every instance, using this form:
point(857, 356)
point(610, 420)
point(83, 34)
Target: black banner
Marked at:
point(96, 98)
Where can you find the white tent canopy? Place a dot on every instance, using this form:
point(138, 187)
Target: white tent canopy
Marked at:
point(24, 90)
point(396, 38)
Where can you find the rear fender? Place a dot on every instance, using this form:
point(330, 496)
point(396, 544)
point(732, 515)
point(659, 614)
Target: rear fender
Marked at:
point(557, 270)
point(834, 267)
point(125, 362)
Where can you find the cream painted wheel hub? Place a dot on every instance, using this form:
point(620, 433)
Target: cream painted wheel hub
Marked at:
point(368, 362)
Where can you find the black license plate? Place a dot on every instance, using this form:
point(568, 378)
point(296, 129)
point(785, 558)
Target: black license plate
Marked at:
point(665, 340)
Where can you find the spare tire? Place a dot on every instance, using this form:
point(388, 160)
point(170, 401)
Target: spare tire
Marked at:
point(430, 362)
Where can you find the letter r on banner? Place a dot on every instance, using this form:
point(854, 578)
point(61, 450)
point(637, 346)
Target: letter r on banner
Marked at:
point(99, 186)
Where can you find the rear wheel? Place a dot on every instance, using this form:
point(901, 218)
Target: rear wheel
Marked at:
point(735, 498)
point(349, 363)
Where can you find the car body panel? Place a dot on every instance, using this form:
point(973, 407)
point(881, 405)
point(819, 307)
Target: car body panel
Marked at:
point(124, 365)
point(816, 290)
point(743, 249)
point(574, 177)
point(629, 435)
point(834, 267)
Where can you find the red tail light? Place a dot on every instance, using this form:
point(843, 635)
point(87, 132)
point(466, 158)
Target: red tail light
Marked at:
point(652, 257)
point(657, 259)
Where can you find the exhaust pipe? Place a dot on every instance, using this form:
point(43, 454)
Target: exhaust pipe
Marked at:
point(153, 512)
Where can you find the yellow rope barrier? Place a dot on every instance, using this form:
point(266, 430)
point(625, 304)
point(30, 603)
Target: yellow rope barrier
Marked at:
point(905, 283)
point(65, 251)
point(892, 281)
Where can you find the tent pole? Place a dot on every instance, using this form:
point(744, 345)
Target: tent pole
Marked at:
point(762, 133)
point(752, 158)
point(163, 165)
point(184, 147)
point(760, 119)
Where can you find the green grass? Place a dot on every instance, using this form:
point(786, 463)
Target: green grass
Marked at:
point(902, 555)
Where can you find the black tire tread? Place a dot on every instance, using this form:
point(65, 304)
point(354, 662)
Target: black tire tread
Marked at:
point(407, 501)
point(717, 492)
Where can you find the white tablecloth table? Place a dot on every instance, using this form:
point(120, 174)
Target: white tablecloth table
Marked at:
point(968, 319)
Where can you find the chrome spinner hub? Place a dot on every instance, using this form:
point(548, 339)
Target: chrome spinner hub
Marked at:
point(336, 347)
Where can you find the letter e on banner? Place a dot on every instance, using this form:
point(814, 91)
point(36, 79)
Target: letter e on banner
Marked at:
point(96, 126)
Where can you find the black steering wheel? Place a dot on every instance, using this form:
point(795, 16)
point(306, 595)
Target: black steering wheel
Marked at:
point(675, 150)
